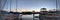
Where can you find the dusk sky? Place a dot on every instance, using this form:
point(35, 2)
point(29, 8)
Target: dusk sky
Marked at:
point(31, 4)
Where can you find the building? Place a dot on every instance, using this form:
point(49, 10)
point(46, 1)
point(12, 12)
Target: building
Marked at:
point(44, 11)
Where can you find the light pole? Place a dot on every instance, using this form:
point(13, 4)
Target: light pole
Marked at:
point(33, 14)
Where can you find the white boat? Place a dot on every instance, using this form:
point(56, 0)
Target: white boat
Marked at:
point(50, 17)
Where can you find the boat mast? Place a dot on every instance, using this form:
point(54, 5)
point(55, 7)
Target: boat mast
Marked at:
point(10, 5)
point(56, 5)
point(16, 5)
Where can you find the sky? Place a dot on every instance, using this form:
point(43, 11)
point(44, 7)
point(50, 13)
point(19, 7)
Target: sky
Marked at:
point(30, 5)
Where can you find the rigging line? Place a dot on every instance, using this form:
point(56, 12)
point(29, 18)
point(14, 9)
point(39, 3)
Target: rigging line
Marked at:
point(10, 4)
point(4, 4)
point(16, 5)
